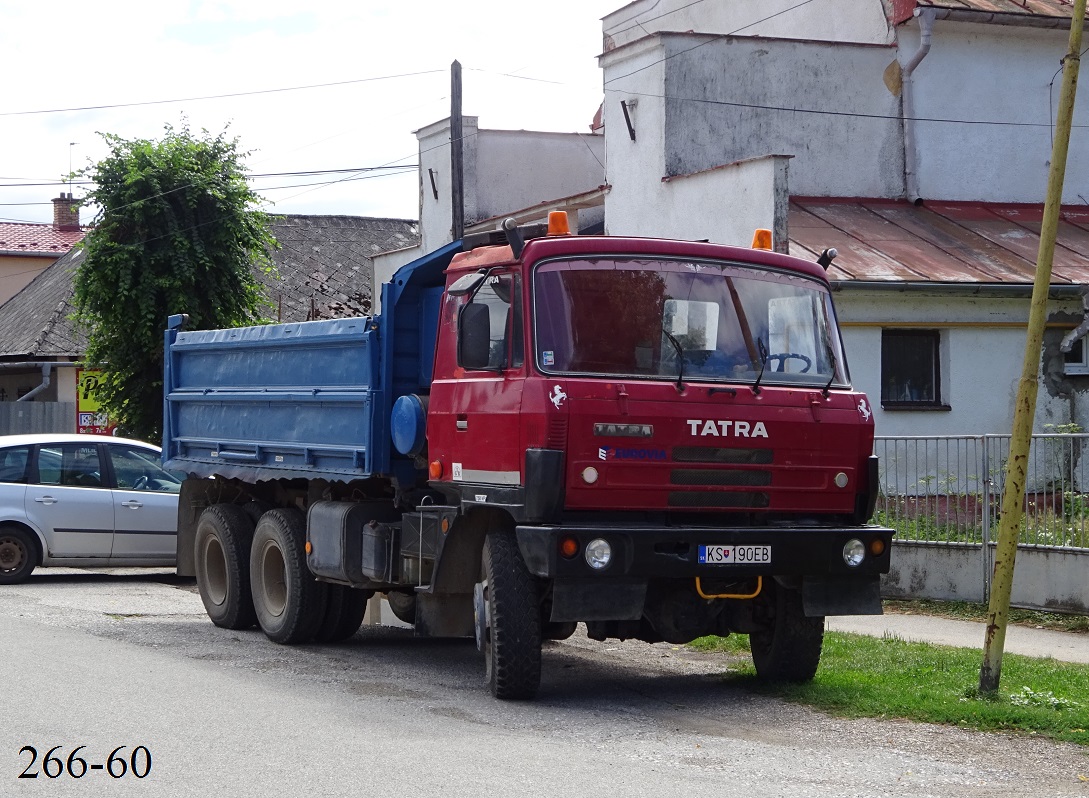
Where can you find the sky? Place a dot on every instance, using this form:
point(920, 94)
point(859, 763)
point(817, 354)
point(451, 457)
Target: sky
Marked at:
point(75, 70)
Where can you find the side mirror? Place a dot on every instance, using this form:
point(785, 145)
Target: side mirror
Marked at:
point(474, 336)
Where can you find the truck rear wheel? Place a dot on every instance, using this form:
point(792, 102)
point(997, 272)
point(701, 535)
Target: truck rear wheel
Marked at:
point(344, 611)
point(508, 619)
point(222, 564)
point(789, 650)
point(289, 602)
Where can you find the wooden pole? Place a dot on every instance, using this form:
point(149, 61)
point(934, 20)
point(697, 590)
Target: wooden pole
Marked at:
point(457, 176)
point(1013, 496)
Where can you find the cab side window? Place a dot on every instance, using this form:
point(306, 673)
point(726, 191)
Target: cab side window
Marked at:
point(495, 312)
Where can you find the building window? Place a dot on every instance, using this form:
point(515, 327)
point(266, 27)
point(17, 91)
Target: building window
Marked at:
point(911, 370)
point(1075, 361)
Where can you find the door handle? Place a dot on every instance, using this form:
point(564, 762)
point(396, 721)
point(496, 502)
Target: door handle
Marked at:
point(132, 503)
point(45, 499)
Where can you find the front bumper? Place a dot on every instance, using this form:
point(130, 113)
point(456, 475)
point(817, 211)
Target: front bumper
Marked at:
point(653, 552)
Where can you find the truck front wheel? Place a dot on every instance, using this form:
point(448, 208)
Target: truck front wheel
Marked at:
point(789, 648)
point(290, 604)
point(222, 564)
point(508, 619)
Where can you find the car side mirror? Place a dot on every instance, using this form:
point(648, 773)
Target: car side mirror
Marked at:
point(474, 336)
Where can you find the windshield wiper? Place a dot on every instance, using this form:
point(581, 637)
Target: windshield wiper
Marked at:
point(763, 363)
point(680, 359)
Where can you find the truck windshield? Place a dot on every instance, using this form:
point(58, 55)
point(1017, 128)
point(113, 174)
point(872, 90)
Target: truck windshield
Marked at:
point(617, 316)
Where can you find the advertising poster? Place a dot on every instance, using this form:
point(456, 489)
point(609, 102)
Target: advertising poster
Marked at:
point(89, 416)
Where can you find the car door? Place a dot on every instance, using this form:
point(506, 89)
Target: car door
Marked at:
point(13, 468)
point(145, 506)
point(68, 500)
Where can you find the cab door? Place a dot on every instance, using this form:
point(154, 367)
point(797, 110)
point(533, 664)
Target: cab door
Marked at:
point(487, 398)
point(69, 500)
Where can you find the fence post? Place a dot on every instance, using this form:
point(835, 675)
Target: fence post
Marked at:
point(985, 519)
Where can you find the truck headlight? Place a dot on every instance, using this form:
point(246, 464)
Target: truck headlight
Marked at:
point(598, 554)
point(854, 552)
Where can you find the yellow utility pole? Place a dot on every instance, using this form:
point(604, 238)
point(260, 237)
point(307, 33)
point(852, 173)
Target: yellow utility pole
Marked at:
point(1025, 410)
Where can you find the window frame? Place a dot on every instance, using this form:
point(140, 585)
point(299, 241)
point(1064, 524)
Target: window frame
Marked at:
point(934, 338)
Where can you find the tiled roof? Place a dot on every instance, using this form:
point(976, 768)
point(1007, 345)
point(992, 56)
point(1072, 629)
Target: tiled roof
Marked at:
point(324, 270)
point(37, 239)
point(938, 242)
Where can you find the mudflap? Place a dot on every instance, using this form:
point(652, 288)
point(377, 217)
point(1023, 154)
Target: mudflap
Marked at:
point(832, 595)
point(444, 615)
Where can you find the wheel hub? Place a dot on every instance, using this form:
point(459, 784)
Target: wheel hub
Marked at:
point(11, 554)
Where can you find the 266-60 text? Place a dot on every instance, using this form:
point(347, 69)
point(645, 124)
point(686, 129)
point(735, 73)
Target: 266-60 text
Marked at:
point(54, 765)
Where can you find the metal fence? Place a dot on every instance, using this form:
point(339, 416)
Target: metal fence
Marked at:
point(948, 489)
point(17, 418)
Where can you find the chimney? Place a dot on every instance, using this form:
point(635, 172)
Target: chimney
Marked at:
point(65, 213)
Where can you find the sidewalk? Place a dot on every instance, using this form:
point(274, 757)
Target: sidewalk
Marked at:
point(1026, 640)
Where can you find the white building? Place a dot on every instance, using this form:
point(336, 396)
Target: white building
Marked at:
point(913, 136)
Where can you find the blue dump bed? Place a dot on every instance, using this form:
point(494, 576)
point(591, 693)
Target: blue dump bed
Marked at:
point(276, 401)
point(309, 400)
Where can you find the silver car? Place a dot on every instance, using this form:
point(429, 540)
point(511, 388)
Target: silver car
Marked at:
point(84, 500)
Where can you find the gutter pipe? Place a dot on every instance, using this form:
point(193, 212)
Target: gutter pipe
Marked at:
point(911, 178)
point(46, 369)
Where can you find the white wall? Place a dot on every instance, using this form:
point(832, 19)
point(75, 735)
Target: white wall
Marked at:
point(861, 21)
point(1002, 74)
point(518, 168)
point(503, 171)
point(981, 351)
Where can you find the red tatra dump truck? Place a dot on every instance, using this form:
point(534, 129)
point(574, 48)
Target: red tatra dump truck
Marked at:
point(656, 438)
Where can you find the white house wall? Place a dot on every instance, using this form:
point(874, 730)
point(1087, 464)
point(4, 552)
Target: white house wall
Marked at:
point(677, 98)
point(992, 73)
point(860, 21)
point(981, 351)
point(518, 168)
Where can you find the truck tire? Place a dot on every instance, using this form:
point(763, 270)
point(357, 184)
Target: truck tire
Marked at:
point(222, 563)
point(510, 632)
point(403, 606)
point(789, 650)
point(18, 555)
point(289, 602)
point(344, 611)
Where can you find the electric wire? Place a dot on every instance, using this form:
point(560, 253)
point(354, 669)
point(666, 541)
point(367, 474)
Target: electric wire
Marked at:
point(220, 96)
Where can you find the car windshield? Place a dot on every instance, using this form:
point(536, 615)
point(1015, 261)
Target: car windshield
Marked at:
point(717, 321)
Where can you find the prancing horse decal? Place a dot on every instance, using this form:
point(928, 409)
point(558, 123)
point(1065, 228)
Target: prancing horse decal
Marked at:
point(558, 396)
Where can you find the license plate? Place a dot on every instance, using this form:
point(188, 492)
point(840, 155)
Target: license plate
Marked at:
point(735, 555)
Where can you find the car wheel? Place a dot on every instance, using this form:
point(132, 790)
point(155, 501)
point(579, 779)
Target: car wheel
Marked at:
point(789, 648)
point(18, 555)
point(289, 602)
point(508, 619)
point(222, 561)
point(344, 613)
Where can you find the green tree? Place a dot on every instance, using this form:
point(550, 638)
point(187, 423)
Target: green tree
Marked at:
point(178, 231)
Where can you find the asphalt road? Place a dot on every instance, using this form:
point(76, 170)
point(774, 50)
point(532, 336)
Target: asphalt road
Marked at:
point(129, 659)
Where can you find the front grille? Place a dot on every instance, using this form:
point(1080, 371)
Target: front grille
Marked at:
point(706, 477)
point(711, 454)
point(691, 498)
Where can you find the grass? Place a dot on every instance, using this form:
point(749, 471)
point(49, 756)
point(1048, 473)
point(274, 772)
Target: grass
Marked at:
point(890, 678)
